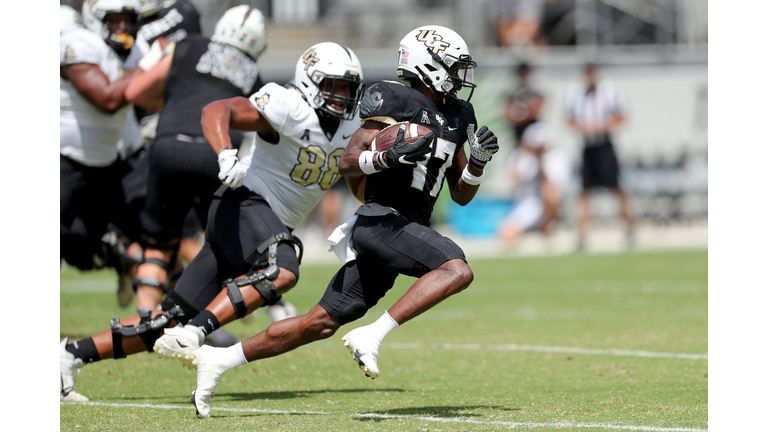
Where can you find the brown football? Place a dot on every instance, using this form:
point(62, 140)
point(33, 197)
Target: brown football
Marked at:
point(387, 136)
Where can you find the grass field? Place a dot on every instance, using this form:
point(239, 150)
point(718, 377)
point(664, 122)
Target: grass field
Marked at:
point(579, 342)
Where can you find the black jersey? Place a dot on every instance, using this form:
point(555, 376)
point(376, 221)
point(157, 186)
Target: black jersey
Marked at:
point(203, 71)
point(413, 192)
point(174, 21)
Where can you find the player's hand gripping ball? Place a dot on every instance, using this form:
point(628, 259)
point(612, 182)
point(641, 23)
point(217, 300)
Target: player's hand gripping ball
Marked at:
point(403, 143)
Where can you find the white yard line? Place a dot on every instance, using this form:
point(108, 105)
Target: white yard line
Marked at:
point(510, 424)
point(552, 349)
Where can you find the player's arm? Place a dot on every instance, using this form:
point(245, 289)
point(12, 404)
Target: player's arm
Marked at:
point(462, 192)
point(357, 187)
point(91, 82)
point(218, 119)
point(358, 159)
point(146, 89)
point(349, 165)
point(465, 175)
point(238, 113)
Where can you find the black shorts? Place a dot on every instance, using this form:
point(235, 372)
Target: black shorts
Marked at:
point(89, 199)
point(182, 175)
point(386, 247)
point(135, 190)
point(239, 222)
point(600, 167)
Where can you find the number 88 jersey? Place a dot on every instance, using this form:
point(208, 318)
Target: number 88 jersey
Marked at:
point(293, 173)
point(413, 192)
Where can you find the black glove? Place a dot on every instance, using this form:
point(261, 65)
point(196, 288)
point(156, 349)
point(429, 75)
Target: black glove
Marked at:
point(404, 153)
point(482, 146)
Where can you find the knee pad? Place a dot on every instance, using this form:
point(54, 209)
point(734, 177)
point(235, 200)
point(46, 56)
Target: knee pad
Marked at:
point(164, 287)
point(261, 282)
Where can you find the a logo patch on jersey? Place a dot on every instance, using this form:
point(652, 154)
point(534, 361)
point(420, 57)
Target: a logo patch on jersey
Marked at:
point(310, 58)
point(439, 119)
point(432, 40)
point(305, 137)
point(425, 118)
point(69, 53)
point(262, 101)
point(371, 102)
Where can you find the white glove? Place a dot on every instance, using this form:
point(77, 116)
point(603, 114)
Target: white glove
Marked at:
point(231, 171)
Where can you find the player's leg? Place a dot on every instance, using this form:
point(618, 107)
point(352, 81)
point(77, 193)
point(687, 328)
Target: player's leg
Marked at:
point(589, 180)
point(406, 248)
point(138, 333)
point(344, 301)
point(247, 235)
point(611, 174)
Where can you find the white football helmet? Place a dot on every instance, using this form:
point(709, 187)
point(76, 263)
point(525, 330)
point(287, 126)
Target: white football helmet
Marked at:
point(243, 28)
point(438, 57)
point(70, 19)
point(318, 72)
point(95, 13)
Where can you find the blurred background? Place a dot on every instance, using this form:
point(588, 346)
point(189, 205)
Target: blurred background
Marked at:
point(653, 51)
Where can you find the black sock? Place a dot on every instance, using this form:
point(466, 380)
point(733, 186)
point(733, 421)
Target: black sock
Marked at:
point(207, 320)
point(84, 349)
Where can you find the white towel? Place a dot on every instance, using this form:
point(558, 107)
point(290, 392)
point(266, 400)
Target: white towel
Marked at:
point(341, 241)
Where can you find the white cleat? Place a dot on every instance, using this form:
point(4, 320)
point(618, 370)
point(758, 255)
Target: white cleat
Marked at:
point(364, 350)
point(180, 343)
point(68, 364)
point(209, 375)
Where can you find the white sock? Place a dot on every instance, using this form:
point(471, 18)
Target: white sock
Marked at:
point(231, 357)
point(382, 326)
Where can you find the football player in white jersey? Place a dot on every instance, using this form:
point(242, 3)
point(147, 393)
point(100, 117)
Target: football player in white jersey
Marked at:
point(96, 64)
point(250, 258)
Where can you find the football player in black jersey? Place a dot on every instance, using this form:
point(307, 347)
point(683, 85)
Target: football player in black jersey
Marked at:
point(183, 171)
point(391, 234)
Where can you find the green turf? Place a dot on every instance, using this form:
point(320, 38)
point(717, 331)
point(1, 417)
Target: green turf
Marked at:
point(653, 302)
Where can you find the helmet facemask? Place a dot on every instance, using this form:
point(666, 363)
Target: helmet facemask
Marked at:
point(330, 78)
point(330, 101)
point(459, 75)
point(122, 29)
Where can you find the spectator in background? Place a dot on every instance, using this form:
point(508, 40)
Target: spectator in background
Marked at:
point(518, 22)
point(596, 109)
point(523, 104)
point(540, 172)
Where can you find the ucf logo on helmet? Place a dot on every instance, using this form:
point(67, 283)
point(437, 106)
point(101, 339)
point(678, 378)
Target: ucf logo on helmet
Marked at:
point(432, 40)
point(310, 58)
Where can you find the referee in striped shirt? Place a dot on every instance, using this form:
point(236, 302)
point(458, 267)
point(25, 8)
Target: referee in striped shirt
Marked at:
point(595, 109)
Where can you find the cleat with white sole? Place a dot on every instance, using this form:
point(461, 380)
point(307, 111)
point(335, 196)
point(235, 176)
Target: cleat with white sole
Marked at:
point(365, 351)
point(179, 343)
point(68, 364)
point(209, 374)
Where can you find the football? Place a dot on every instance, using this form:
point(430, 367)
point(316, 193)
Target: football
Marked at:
point(387, 136)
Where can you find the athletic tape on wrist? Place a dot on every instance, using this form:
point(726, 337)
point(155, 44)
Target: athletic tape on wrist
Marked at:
point(471, 179)
point(366, 162)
